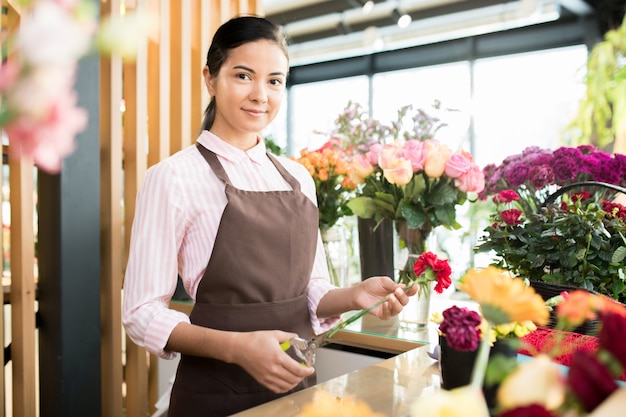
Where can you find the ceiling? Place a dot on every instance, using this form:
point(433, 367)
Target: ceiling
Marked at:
point(320, 30)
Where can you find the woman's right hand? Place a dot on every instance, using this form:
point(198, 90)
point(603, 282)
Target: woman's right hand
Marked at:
point(259, 353)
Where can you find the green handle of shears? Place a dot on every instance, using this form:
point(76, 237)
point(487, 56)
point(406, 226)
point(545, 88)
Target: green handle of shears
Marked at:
point(285, 345)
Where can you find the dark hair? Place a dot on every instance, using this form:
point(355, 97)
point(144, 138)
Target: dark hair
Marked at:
point(234, 33)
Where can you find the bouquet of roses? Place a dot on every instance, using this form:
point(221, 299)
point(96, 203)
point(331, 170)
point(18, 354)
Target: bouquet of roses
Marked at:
point(411, 177)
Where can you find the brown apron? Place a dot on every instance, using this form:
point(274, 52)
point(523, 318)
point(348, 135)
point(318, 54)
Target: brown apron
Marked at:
point(256, 279)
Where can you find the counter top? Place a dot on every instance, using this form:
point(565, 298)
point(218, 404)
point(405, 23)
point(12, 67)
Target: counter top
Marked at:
point(389, 387)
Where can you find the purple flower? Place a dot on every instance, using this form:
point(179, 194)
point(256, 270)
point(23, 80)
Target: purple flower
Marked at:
point(541, 175)
point(565, 168)
point(517, 174)
point(601, 168)
point(460, 327)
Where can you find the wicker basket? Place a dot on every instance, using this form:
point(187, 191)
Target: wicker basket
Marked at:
point(548, 290)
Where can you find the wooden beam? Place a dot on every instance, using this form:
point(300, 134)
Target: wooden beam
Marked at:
point(159, 83)
point(111, 227)
point(22, 285)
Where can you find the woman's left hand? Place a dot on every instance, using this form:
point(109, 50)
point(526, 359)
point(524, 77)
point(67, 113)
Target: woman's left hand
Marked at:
point(373, 289)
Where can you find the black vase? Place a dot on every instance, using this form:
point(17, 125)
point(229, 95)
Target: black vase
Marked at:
point(376, 248)
point(456, 366)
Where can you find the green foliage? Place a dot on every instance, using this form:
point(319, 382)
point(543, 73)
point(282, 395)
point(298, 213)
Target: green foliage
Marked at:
point(273, 147)
point(602, 111)
point(578, 244)
point(424, 202)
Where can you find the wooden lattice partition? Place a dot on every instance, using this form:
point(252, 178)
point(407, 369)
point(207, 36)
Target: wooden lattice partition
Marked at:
point(164, 97)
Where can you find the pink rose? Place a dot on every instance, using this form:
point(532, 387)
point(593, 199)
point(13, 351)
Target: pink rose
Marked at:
point(374, 153)
point(472, 181)
point(436, 157)
point(457, 165)
point(361, 168)
point(415, 151)
point(396, 169)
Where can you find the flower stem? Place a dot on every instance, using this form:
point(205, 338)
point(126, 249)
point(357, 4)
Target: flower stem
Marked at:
point(482, 359)
point(344, 323)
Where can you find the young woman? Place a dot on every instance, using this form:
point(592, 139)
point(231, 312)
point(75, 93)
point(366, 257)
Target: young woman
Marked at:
point(239, 226)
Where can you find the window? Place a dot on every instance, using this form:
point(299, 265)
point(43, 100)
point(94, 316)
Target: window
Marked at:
point(525, 99)
point(421, 87)
point(317, 105)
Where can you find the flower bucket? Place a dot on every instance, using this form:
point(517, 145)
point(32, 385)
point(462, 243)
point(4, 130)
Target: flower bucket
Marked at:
point(376, 248)
point(456, 366)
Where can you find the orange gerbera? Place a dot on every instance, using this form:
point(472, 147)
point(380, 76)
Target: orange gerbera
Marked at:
point(581, 305)
point(502, 297)
point(577, 307)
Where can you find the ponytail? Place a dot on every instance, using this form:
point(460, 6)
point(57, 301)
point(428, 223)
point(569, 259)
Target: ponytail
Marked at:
point(209, 115)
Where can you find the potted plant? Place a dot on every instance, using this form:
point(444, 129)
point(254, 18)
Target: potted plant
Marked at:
point(555, 220)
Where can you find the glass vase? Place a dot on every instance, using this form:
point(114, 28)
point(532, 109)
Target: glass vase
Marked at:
point(410, 243)
point(416, 313)
point(337, 254)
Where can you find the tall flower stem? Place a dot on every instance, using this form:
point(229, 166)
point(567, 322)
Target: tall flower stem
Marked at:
point(344, 323)
point(482, 359)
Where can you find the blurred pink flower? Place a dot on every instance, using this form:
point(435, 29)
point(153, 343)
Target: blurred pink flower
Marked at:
point(472, 181)
point(415, 151)
point(48, 140)
point(457, 165)
point(361, 168)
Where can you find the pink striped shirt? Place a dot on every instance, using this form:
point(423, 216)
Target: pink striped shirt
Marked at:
point(178, 211)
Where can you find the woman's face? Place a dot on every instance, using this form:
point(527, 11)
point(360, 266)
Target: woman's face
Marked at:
point(248, 91)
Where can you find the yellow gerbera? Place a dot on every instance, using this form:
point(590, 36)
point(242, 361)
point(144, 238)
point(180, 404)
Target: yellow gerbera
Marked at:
point(502, 297)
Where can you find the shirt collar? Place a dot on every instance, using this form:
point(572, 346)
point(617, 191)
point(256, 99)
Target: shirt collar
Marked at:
point(227, 151)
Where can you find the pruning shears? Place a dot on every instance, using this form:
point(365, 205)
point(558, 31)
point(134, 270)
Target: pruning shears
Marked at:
point(305, 349)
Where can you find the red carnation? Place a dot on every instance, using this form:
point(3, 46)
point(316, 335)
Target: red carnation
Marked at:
point(511, 216)
point(505, 196)
point(434, 269)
